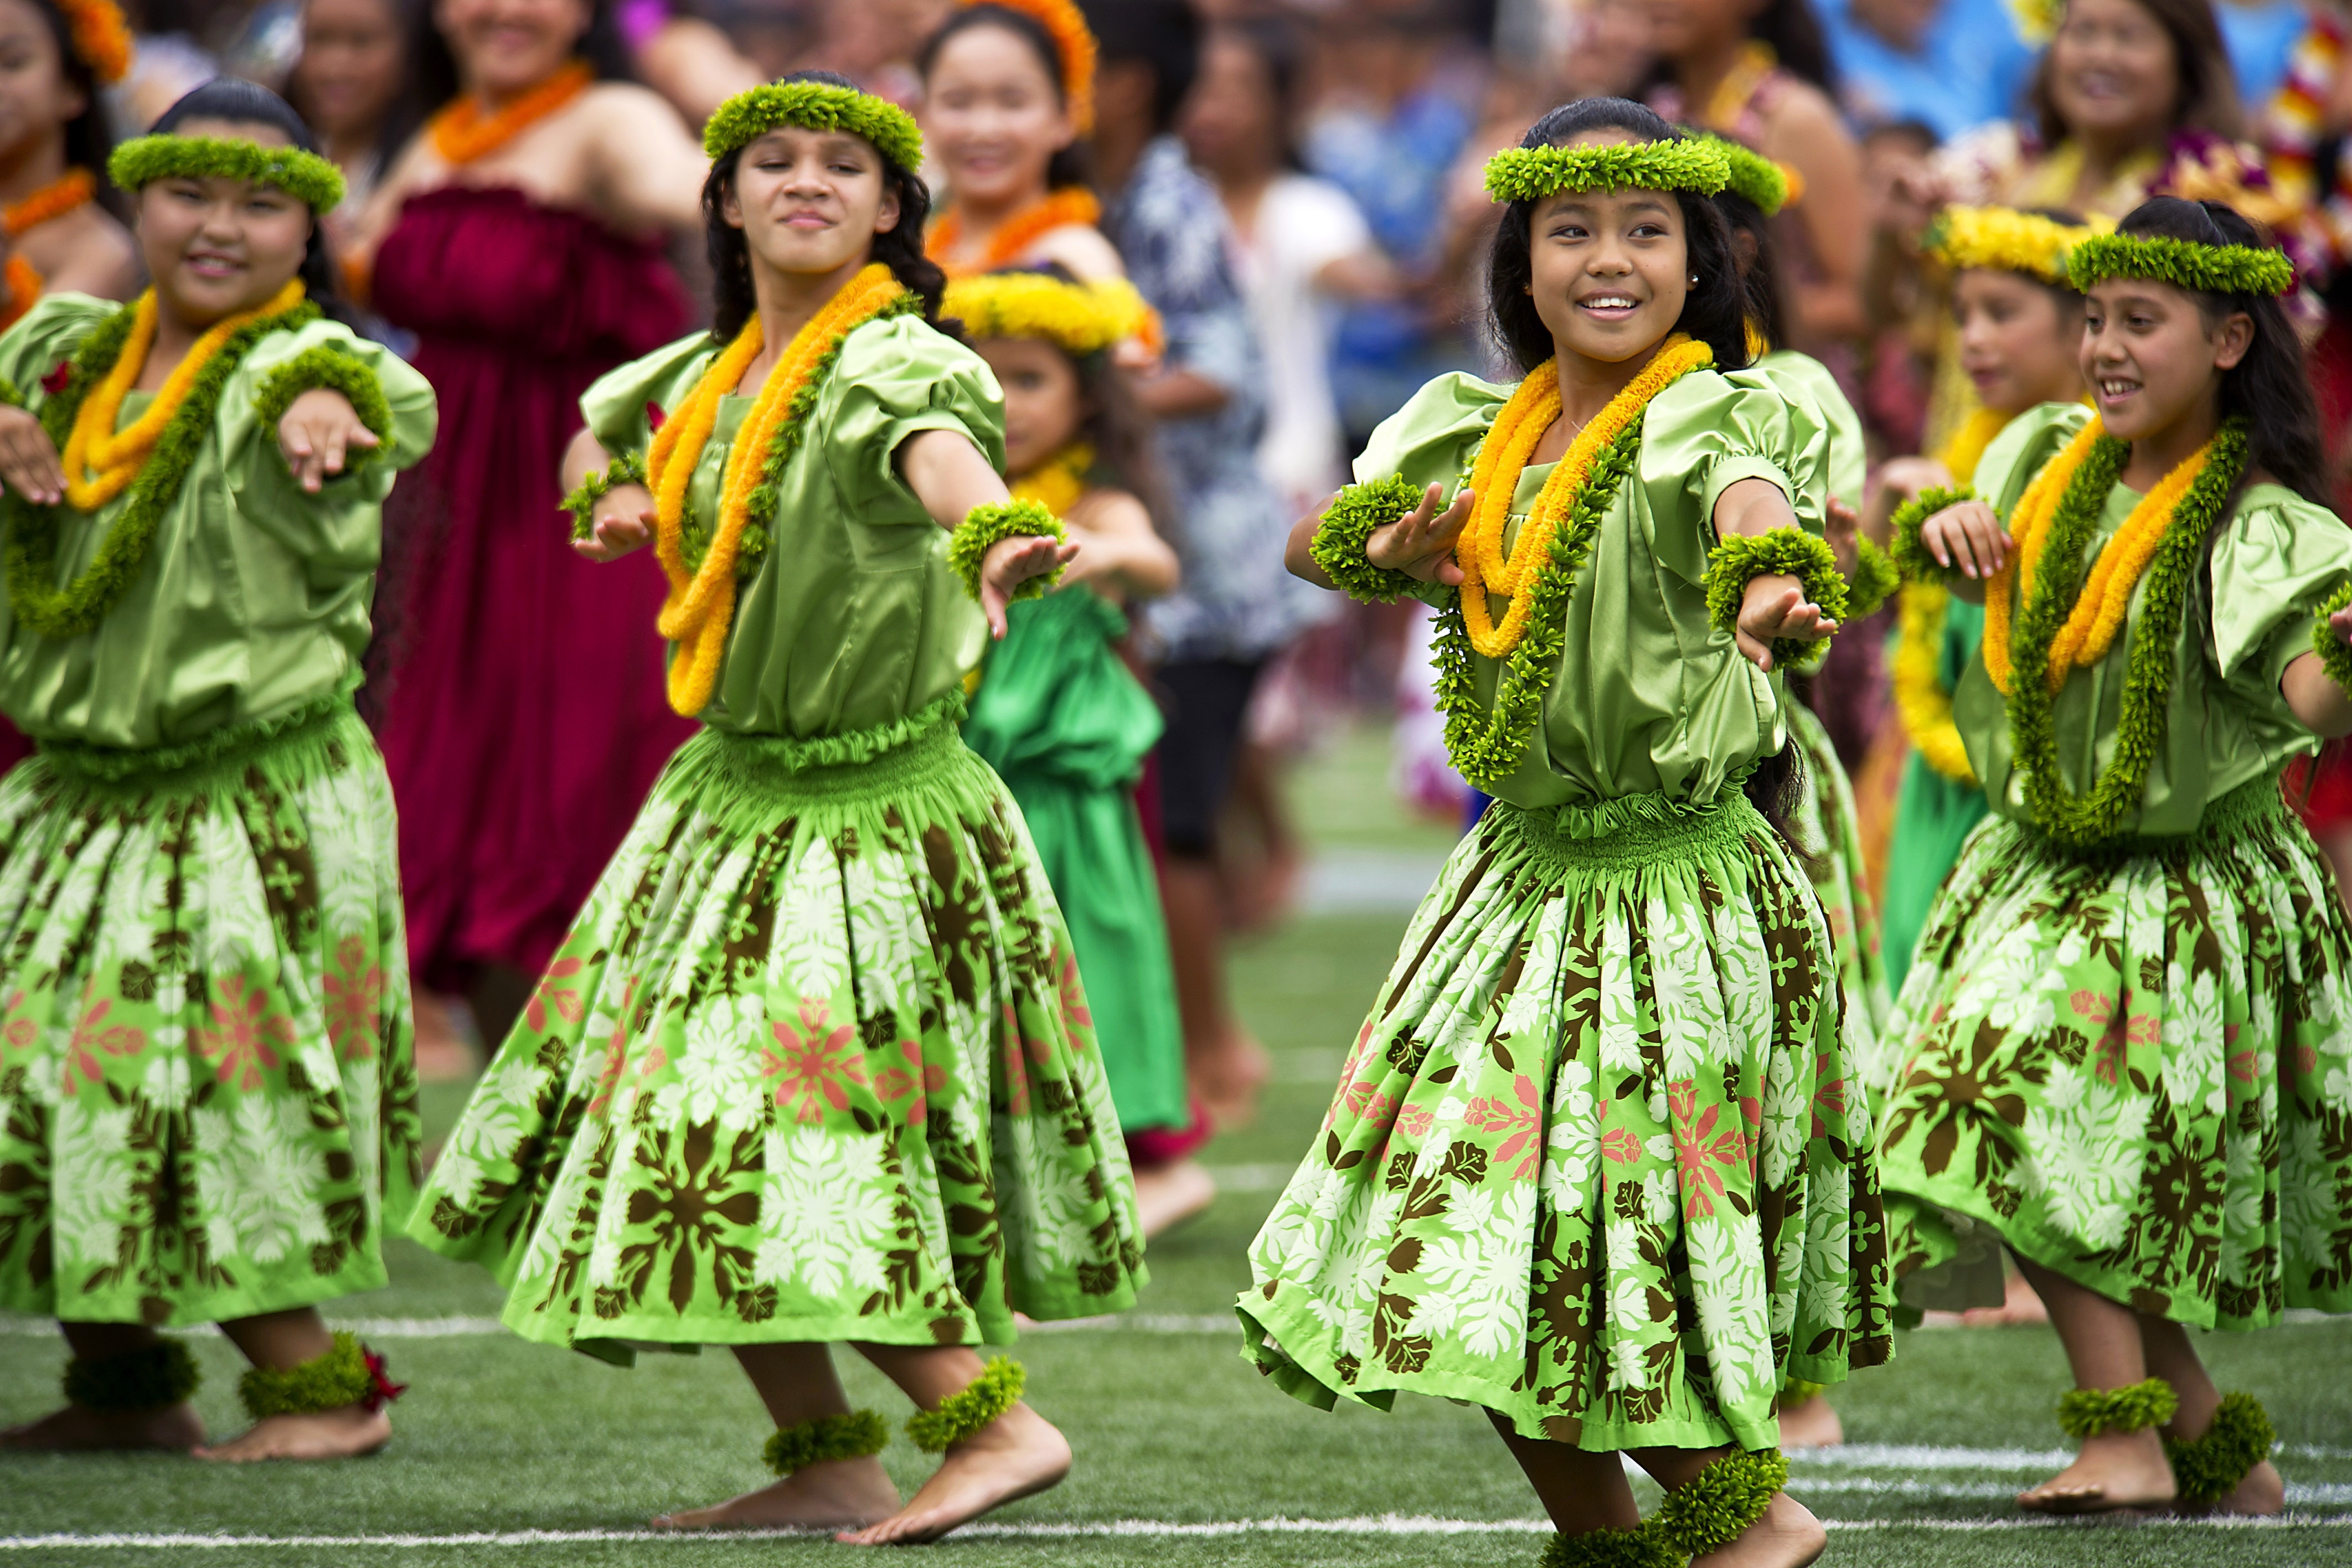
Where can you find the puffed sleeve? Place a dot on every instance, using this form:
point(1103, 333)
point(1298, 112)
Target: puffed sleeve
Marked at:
point(897, 378)
point(1805, 379)
point(341, 523)
point(1707, 432)
point(618, 406)
point(47, 336)
point(1430, 440)
point(2272, 564)
point(2023, 446)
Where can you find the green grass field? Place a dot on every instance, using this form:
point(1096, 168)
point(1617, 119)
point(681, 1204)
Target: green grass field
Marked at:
point(510, 1453)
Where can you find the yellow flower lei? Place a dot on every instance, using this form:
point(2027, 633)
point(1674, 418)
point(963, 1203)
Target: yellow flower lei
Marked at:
point(1503, 457)
point(701, 605)
point(1060, 482)
point(1920, 699)
point(1079, 318)
point(2090, 628)
point(2004, 239)
point(101, 462)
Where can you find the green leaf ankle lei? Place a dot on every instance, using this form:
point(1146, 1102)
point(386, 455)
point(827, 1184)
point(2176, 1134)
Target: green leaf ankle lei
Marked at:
point(29, 554)
point(1713, 1507)
point(2085, 1413)
point(628, 468)
point(349, 1373)
point(995, 1391)
point(1487, 748)
point(149, 1378)
point(2207, 1470)
point(2087, 821)
point(854, 1436)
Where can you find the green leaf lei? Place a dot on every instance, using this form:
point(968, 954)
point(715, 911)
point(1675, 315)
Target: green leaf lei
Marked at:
point(2184, 263)
point(1791, 551)
point(628, 468)
point(1349, 522)
point(2333, 656)
point(813, 106)
point(1911, 554)
point(325, 365)
point(2088, 821)
point(1875, 580)
point(29, 554)
point(1530, 173)
point(991, 524)
point(307, 177)
point(695, 531)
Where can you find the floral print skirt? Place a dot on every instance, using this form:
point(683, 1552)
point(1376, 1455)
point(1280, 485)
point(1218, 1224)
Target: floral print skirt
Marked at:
point(1827, 830)
point(813, 1064)
point(1595, 1163)
point(2136, 1072)
point(208, 1100)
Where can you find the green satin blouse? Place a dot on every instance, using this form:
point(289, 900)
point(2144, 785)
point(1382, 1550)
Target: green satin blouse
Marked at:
point(852, 617)
point(254, 597)
point(2248, 617)
point(1649, 698)
point(1803, 377)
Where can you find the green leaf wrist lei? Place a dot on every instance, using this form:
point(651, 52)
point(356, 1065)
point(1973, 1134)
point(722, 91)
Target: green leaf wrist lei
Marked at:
point(985, 527)
point(628, 468)
point(1531, 174)
point(326, 366)
point(2185, 264)
point(1349, 523)
point(307, 177)
point(813, 106)
point(1911, 554)
point(1874, 582)
point(1789, 551)
point(2334, 656)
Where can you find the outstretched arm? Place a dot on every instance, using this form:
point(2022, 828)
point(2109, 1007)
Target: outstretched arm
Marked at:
point(2325, 707)
point(623, 517)
point(949, 477)
point(1773, 604)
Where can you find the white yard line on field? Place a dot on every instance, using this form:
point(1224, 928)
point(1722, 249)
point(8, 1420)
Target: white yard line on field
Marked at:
point(1382, 1525)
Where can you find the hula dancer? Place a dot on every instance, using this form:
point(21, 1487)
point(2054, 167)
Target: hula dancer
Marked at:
point(813, 1064)
point(1604, 1083)
point(1059, 715)
point(207, 1109)
point(60, 239)
point(2124, 1055)
point(2020, 333)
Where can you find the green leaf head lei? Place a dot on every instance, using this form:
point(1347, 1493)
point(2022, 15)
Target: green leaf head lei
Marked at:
point(1750, 175)
point(307, 177)
point(814, 106)
point(2183, 263)
point(1531, 174)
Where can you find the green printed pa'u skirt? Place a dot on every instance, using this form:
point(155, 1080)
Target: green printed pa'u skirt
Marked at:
point(1597, 1161)
point(207, 1102)
point(1827, 831)
point(813, 1064)
point(2134, 1069)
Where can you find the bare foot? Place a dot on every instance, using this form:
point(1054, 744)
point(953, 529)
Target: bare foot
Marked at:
point(1171, 1194)
point(1228, 1079)
point(341, 1434)
point(1788, 1536)
point(1811, 1423)
point(840, 1494)
point(2261, 1493)
point(2117, 1470)
point(78, 1428)
point(1013, 1455)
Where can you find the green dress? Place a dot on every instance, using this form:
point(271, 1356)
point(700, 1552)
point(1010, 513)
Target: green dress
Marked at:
point(814, 1063)
point(1067, 725)
point(2131, 1065)
point(1825, 825)
point(1933, 815)
point(208, 1100)
point(1595, 1161)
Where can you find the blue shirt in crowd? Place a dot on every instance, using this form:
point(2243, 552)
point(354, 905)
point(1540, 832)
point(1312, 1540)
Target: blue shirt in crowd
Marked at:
point(2261, 40)
point(1970, 66)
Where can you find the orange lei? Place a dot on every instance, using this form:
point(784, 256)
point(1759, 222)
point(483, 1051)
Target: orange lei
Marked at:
point(2092, 626)
point(462, 133)
point(1059, 209)
point(701, 605)
point(100, 461)
point(71, 190)
point(1503, 457)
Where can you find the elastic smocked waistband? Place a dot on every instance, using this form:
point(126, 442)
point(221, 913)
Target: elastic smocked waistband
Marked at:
point(1631, 832)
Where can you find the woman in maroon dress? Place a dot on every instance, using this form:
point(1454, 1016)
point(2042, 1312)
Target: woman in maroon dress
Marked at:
point(520, 237)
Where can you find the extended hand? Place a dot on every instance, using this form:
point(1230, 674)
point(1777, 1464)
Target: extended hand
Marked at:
point(1969, 535)
point(2340, 623)
point(29, 460)
point(1774, 607)
point(1011, 562)
point(1843, 527)
point(317, 432)
point(1421, 543)
point(624, 520)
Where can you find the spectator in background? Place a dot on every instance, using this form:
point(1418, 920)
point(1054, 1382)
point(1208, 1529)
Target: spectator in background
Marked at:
point(59, 233)
point(1299, 247)
point(1949, 65)
point(352, 87)
point(1758, 71)
point(2261, 37)
point(1395, 116)
point(1235, 608)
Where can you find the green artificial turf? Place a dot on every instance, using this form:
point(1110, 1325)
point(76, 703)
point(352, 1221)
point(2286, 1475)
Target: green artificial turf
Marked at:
point(1169, 1426)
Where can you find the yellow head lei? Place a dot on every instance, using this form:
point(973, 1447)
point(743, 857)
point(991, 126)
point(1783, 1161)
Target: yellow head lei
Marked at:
point(2002, 239)
point(1081, 318)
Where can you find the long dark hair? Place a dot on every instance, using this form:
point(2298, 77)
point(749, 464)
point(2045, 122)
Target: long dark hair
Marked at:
point(2207, 95)
point(1795, 36)
point(1715, 311)
point(2268, 387)
point(1069, 165)
point(89, 135)
point(900, 247)
point(1760, 266)
point(434, 69)
point(234, 98)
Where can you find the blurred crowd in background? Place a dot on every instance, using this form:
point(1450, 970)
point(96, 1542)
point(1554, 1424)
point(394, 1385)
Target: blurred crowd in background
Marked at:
point(1333, 201)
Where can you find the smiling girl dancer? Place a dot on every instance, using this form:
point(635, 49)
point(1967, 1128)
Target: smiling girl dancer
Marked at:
point(2125, 1056)
point(813, 1065)
point(1604, 1082)
point(207, 1109)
